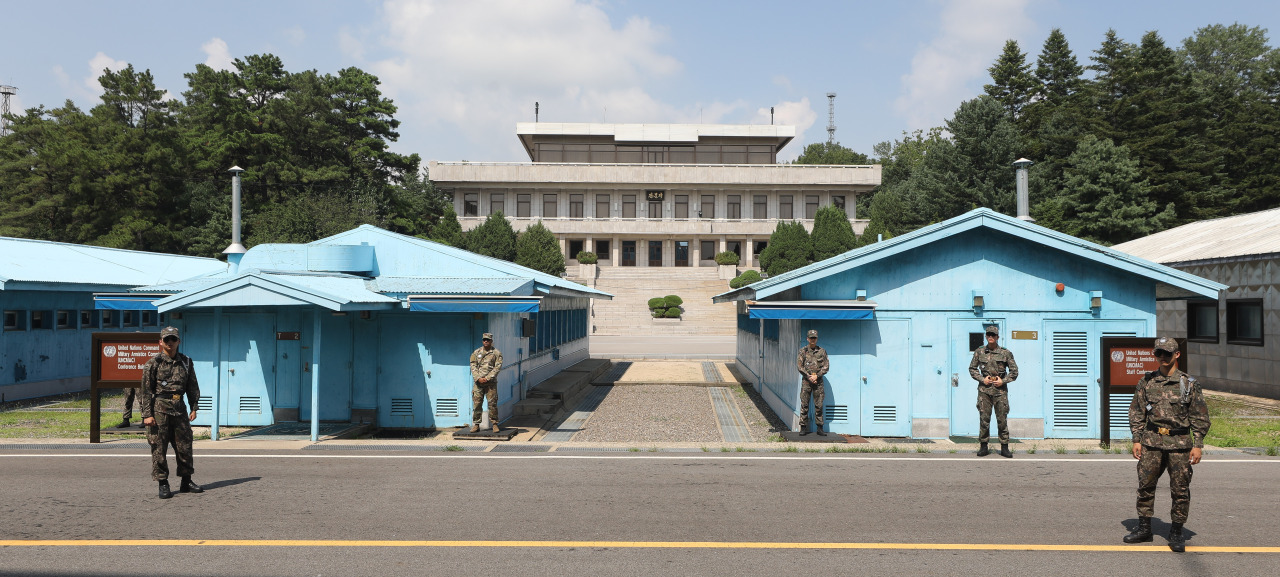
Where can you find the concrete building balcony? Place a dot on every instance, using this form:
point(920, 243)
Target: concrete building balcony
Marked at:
point(565, 175)
point(608, 227)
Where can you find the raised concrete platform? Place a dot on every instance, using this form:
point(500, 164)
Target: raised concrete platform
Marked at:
point(561, 391)
point(503, 434)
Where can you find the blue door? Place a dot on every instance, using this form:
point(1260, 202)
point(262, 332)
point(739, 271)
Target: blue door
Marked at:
point(843, 410)
point(966, 336)
point(885, 379)
point(1073, 390)
point(199, 343)
point(248, 355)
point(403, 365)
point(335, 370)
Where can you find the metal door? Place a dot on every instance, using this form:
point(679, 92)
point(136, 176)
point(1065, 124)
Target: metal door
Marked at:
point(682, 253)
point(1073, 392)
point(248, 369)
point(885, 380)
point(655, 253)
point(966, 336)
point(628, 253)
point(843, 403)
point(404, 371)
point(335, 370)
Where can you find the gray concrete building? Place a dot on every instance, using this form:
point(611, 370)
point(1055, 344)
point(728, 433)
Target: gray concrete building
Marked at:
point(653, 195)
point(1234, 341)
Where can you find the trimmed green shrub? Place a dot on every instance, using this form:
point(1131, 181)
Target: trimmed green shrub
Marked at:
point(538, 249)
point(747, 277)
point(727, 257)
point(659, 313)
point(735, 282)
point(674, 301)
point(657, 303)
point(587, 257)
point(673, 313)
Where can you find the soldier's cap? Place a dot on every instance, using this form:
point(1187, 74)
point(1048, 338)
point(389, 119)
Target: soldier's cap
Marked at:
point(169, 332)
point(993, 330)
point(486, 337)
point(813, 333)
point(1166, 344)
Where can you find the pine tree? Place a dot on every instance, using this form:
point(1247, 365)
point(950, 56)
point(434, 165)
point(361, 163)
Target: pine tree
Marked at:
point(832, 233)
point(1012, 84)
point(1109, 199)
point(448, 230)
point(538, 249)
point(789, 248)
point(494, 237)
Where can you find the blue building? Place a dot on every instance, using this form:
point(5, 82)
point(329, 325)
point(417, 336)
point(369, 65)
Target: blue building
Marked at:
point(369, 326)
point(47, 294)
point(900, 319)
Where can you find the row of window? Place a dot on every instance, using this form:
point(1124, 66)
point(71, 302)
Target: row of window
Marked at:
point(22, 320)
point(1244, 322)
point(657, 154)
point(704, 207)
point(553, 328)
point(629, 247)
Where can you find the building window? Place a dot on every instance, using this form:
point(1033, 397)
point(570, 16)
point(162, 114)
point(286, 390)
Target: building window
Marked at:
point(64, 320)
point(550, 152)
point(577, 153)
point(602, 206)
point(630, 154)
point(575, 205)
point(784, 207)
point(523, 205)
point(628, 206)
point(88, 320)
point(655, 210)
point(497, 203)
point(13, 320)
point(708, 206)
point(707, 154)
point(680, 155)
point(471, 204)
point(1202, 322)
point(603, 153)
point(757, 154)
point(838, 202)
point(108, 320)
point(40, 320)
point(708, 250)
point(760, 208)
point(549, 205)
point(129, 319)
point(575, 247)
point(734, 207)
point(1244, 322)
point(734, 154)
point(811, 206)
point(602, 249)
point(682, 206)
point(148, 318)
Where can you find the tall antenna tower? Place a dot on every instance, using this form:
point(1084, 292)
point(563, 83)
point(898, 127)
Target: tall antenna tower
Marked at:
point(831, 118)
point(5, 92)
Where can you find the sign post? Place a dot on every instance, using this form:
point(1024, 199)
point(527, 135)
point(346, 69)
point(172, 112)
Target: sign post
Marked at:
point(117, 362)
point(1125, 360)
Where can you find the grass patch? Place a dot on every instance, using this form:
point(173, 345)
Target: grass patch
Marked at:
point(1060, 449)
point(452, 448)
point(1240, 425)
point(744, 450)
point(634, 449)
point(18, 424)
point(952, 451)
point(812, 450)
point(1083, 451)
point(1033, 449)
point(857, 449)
point(776, 439)
point(789, 449)
point(724, 449)
point(706, 450)
point(922, 449)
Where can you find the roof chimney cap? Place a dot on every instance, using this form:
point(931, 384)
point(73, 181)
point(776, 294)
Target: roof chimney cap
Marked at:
point(1022, 163)
point(235, 170)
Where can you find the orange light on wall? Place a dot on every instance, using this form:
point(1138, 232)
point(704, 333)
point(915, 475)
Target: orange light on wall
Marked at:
point(1060, 287)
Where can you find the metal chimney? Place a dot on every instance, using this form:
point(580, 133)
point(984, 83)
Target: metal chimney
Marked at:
point(236, 251)
point(1024, 196)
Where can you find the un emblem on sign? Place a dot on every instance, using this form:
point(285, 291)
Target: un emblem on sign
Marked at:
point(1117, 356)
point(109, 351)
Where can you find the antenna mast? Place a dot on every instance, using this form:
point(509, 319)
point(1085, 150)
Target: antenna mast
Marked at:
point(831, 118)
point(5, 92)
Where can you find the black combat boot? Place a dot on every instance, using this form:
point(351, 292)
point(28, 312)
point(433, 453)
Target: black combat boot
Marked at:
point(1177, 543)
point(123, 424)
point(804, 430)
point(982, 450)
point(821, 433)
point(189, 486)
point(1005, 452)
point(1141, 533)
point(165, 493)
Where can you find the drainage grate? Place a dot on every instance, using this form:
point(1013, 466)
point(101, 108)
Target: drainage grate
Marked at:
point(578, 419)
point(422, 448)
point(732, 424)
point(86, 445)
point(521, 448)
point(615, 373)
point(711, 373)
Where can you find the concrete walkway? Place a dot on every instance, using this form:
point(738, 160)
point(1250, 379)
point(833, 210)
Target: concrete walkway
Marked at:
point(646, 347)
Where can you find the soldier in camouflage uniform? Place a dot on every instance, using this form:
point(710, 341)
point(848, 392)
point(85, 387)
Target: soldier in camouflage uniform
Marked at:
point(166, 378)
point(486, 361)
point(1168, 419)
point(813, 365)
point(993, 367)
point(129, 395)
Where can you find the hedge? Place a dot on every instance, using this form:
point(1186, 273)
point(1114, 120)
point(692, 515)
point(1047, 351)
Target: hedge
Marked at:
point(587, 257)
point(727, 257)
point(674, 301)
point(747, 277)
point(657, 303)
point(673, 313)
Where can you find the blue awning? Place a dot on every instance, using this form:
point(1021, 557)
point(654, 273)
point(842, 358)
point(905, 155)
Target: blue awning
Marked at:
point(473, 305)
point(811, 310)
point(126, 302)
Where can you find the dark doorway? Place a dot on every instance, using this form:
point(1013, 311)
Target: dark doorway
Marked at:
point(655, 253)
point(628, 253)
point(682, 253)
point(575, 247)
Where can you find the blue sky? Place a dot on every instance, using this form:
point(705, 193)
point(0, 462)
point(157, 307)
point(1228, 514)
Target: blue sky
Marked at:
point(464, 72)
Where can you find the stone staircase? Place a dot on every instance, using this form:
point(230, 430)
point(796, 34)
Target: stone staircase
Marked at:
point(632, 287)
point(558, 394)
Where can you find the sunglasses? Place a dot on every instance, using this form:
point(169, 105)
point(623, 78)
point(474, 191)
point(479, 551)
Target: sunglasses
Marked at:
point(1163, 353)
point(171, 339)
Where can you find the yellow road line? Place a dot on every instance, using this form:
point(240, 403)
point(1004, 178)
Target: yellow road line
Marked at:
point(614, 544)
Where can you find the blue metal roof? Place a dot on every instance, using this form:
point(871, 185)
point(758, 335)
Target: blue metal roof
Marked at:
point(514, 286)
point(1170, 283)
point(39, 264)
point(338, 292)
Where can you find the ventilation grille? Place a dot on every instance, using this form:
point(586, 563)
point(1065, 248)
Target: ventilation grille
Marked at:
point(1070, 353)
point(884, 414)
point(251, 404)
point(1071, 406)
point(836, 412)
point(205, 404)
point(1118, 410)
point(402, 407)
point(447, 407)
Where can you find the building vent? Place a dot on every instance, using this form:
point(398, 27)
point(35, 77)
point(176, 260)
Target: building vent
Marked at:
point(402, 407)
point(1118, 410)
point(447, 407)
point(205, 404)
point(251, 404)
point(1071, 353)
point(836, 412)
point(1071, 406)
point(884, 414)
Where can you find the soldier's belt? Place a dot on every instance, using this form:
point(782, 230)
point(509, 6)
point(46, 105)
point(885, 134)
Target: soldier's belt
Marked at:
point(1168, 431)
point(175, 397)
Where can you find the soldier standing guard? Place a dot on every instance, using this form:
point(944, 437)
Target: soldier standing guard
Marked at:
point(1168, 419)
point(813, 365)
point(486, 361)
point(166, 378)
point(993, 367)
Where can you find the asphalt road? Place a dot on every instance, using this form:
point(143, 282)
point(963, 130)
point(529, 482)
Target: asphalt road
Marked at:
point(419, 513)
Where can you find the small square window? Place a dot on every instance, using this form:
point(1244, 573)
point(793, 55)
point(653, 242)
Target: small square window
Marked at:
point(1202, 322)
point(1244, 322)
point(88, 320)
point(65, 319)
point(108, 319)
point(148, 318)
point(13, 320)
point(40, 320)
point(130, 319)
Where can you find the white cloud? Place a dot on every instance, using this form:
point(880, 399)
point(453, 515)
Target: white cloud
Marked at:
point(799, 114)
point(349, 45)
point(97, 64)
point(944, 72)
point(294, 35)
point(218, 56)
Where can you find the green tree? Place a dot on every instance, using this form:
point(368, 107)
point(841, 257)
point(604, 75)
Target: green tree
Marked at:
point(888, 213)
point(789, 248)
point(823, 153)
point(494, 237)
point(538, 249)
point(832, 233)
point(448, 230)
point(1012, 84)
point(1109, 200)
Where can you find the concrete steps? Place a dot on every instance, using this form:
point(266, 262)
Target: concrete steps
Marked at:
point(562, 391)
point(628, 312)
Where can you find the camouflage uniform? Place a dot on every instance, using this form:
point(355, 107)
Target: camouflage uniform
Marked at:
point(165, 380)
point(1168, 416)
point(486, 365)
point(810, 361)
point(129, 395)
point(993, 362)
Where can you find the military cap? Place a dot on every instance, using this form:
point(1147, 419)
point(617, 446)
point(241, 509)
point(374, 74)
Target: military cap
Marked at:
point(813, 333)
point(486, 337)
point(169, 332)
point(993, 330)
point(1166, 344)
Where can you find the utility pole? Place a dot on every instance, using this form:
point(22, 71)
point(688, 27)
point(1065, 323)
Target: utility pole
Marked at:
point(831, 119)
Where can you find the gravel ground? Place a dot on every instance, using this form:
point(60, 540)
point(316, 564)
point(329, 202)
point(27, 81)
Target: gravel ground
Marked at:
point(653, 414)
point(761, 420)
